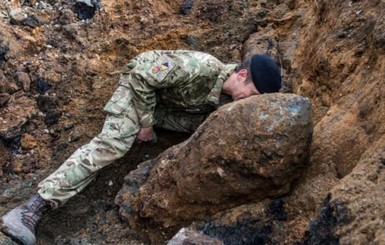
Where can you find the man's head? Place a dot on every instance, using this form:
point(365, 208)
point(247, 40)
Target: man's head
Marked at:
point(258, 74)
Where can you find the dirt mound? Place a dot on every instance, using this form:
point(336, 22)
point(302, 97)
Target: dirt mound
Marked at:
point(58, 69)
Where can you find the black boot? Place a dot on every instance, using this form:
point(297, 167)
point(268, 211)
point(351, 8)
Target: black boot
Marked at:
point(20, 222)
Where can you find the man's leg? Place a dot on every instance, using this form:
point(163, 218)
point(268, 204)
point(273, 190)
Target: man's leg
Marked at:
point(118, 134)
point(74, 174)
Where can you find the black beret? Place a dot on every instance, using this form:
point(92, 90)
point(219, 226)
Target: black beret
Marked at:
point(265, 73)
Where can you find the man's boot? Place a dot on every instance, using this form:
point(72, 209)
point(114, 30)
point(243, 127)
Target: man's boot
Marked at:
point(20, 223)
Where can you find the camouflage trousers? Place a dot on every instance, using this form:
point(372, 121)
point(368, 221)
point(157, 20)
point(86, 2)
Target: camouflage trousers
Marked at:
point(115, 140)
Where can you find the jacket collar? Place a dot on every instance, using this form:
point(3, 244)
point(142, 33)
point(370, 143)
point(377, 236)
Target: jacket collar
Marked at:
point(215, 92)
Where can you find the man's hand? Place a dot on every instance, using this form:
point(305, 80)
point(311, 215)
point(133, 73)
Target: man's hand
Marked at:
point(145, 134)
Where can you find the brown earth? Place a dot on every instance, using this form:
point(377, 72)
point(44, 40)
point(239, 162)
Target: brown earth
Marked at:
point(57, 72)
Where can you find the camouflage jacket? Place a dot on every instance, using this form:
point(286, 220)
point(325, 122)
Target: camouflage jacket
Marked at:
point(177, 80)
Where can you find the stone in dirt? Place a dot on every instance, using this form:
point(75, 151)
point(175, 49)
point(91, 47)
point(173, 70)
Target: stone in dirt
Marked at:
point(4, 240)
point(15, 115)
point(249, 231)
point(4, 157)
point(42, 85)
point(190, 236)
point(245, 151)
point(254, 223)
point(276, 208)
point(3, 51)
point(25, 17)
point(187, 6)
point(28, 141)
point(85, 9)
point(23, 80)
point(321, 228)
point(6, 86)
point(52, 117)
point(4, 97)
point(46, 103)
point(262, 44)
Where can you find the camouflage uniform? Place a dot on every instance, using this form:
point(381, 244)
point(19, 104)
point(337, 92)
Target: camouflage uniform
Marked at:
point(170, 89)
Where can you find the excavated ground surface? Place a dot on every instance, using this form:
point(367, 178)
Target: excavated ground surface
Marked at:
point(76, 63)
point(58, 71)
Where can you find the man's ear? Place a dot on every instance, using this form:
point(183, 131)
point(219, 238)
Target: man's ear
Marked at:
point(242, 75)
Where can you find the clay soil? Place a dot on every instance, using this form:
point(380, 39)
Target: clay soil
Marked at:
point(78, 62)
point(58, 71)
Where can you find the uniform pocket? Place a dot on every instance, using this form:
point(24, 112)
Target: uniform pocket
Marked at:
point(120, 101)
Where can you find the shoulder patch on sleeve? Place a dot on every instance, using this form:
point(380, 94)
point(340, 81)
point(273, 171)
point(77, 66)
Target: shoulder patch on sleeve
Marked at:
point(161, 67)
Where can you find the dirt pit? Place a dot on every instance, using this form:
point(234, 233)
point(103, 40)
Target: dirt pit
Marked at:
point(60, 63)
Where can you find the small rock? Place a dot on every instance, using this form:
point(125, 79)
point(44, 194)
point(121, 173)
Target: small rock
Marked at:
point(18, 16)
point(3, 15)
point(54, 133)
point(4, 240)
point(75, 135)
point(187, 6)
point(42, 85)
point(52, 117)
point(249, 230)
point(23, 80)
point(46, 103)
point(5, 155)
point(28, 141)
point(68, 126)
point(6, 86)
point(4, 97)
point(280, 216)
point(192, 237)
point(29, 163)
point(17, 166)
point(33, 21)
point(67, 17)
point(262, 44)
point(193, 41)
point(85, 9)
point(41, 5)
point(275, 206)
point(59, 149)
point(15, 115)
point(3, 51)
point(91, 3)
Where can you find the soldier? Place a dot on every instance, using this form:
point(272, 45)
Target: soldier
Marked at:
point(175, 90)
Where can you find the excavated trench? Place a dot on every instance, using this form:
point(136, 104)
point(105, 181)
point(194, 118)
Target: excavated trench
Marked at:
point(60, 63)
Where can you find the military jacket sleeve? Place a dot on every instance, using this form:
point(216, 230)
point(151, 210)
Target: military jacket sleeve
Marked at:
point(180, 73)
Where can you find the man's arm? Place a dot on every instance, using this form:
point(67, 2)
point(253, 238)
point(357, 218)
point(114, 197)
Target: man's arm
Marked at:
point(148, 75)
